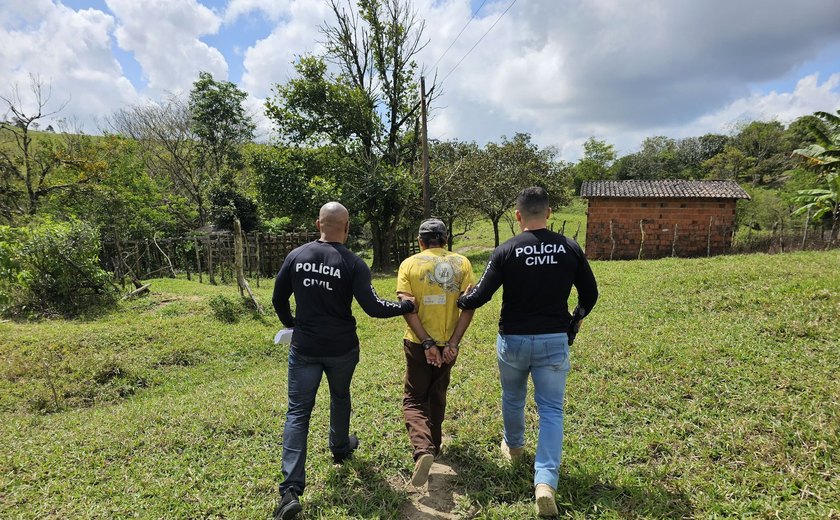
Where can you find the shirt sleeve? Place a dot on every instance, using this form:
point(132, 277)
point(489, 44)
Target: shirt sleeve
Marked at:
point(586, 285)
point(487, 285)
point(282, 293)
point(469, 277)
point(403, 282)
point(370, 302)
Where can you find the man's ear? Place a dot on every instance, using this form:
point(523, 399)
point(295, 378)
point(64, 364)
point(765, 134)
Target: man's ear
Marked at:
point(548, 214)
point(518, 216)
point(318, 224)
point(347, 228)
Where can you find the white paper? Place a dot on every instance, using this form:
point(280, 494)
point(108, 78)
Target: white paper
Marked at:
point(284, 336)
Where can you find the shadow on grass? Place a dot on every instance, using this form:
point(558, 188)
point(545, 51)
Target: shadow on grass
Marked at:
point(486, 480)
point(355, 489)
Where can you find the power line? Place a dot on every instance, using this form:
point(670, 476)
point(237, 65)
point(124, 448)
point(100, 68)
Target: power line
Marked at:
point(479, 41)
point(460, 33)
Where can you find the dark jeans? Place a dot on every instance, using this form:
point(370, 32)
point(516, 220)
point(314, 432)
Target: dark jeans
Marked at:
point(304, 379)
point(424, 400)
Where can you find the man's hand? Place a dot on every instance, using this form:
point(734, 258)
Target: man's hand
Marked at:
point(450, 353)
point(412, 299)
point(433, 357)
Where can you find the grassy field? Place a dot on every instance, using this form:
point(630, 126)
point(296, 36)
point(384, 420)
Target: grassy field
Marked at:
point(699, 389)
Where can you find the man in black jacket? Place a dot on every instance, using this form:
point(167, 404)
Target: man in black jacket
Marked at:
point(324, 277)
point(537, 269)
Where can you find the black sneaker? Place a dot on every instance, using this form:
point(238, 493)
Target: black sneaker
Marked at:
point(353, 443)
point(288, 507)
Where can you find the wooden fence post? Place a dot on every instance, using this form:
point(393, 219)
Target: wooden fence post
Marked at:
point(642, 241)
point(709, 238)
point(805, 232)
point(257, 254)
point(198, 260)
point(674, 243)
point(612, 239)
point(210, 260)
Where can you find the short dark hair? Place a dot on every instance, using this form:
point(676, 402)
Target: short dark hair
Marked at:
point(433, 239)
point(532, 201)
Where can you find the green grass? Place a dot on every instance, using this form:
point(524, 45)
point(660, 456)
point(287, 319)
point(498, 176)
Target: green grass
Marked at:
point(480, 236)
point(699, 389)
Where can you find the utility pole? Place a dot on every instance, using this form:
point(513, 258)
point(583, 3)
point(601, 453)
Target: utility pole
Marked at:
point(427, 188)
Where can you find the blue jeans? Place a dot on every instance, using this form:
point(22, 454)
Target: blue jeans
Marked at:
point(546, 358)
point(304, 379)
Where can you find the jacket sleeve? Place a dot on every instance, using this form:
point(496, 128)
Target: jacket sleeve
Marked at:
point(487, 285)
point(370, 302)
point(282, 293)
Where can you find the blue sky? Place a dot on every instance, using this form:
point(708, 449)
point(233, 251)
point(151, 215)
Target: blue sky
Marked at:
point(563, 70)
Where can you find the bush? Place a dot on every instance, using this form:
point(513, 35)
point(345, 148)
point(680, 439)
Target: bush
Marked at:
point(52, 268)
point(224, 309)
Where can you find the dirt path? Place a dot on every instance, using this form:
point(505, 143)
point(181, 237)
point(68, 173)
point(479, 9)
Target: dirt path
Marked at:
point(436, 500)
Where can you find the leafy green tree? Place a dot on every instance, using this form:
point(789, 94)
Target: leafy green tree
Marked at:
point(220, 120)
point(596, 164)
point(35, 166)
point(171, 154)
point(368, 109)
point(124, 201)
point(227, 203)
point(291, 181)
point(764, 146)
point(824, 157)
point(506, 168)
point(730, 164)
point(452, 166)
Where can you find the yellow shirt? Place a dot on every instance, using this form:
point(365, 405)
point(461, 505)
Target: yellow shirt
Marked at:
point(435, 277)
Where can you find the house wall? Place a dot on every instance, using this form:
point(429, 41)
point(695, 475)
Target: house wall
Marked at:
point(698, 223)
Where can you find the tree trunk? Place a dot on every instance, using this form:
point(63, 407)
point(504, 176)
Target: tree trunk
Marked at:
point(382, 240)
point(496, 231)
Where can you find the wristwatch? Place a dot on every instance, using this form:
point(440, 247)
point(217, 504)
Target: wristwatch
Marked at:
point(428, 343)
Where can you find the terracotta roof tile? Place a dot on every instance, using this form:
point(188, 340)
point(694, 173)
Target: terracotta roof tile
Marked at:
point(664, 189)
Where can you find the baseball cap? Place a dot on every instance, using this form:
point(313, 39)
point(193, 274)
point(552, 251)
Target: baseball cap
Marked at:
point(433, 226)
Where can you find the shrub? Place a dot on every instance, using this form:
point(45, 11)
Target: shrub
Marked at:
point(52, 268)
point(224, 309)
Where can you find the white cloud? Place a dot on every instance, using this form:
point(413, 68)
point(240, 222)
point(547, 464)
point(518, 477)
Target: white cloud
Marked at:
point(565, 70)
point(79, 66)
point(273, 9)
point(164, 37)
point(269, 61)
point(807, 97)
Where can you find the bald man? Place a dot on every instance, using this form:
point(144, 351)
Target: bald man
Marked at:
point(324, 276)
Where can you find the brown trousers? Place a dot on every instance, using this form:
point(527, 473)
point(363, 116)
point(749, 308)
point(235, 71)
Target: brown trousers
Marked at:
point(424, 400)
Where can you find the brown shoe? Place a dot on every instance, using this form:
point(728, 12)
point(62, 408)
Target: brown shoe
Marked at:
point(421, 469)
point(511, 454)
point(546, 506)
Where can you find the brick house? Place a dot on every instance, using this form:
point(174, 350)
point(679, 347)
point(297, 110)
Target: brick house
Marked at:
point(659, 218)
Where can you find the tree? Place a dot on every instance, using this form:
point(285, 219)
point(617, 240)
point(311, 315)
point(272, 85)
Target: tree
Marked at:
point(730, 164)
point(34, 167)
point(596, 164)
point(171, 153)
point(124, 201)
point(368, 110)
point(452, 165)
point(291, 181)
point(764, 146)
point(824, 157)
point(505, 169)
point(190, 143)
point(220, 120)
